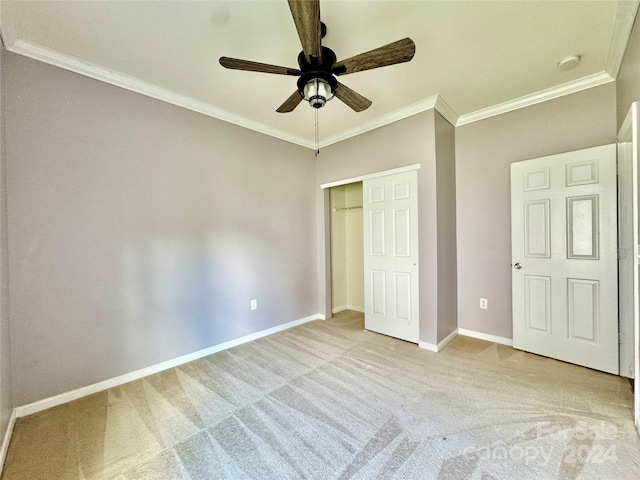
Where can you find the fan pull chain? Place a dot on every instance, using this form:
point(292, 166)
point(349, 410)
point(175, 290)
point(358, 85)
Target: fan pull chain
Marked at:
point(317, 152)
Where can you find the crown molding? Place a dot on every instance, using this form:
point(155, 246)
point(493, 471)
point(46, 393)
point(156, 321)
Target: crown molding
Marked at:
point(7, 29)
point(413, 109)
point(112, 77)
point(568, 88)
point(436, 102)
point(624, 19)
point(444, 109)
point(622, 27)
point(74, 64)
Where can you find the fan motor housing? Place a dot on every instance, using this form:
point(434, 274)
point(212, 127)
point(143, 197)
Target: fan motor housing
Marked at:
point(315, 69)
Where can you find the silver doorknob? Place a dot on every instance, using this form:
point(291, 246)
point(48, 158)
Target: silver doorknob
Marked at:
point(517, 266)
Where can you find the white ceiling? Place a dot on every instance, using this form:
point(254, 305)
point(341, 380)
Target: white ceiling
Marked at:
point(473, 59)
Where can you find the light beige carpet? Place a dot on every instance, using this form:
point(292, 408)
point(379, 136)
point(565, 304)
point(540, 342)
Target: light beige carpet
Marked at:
point(327, 400)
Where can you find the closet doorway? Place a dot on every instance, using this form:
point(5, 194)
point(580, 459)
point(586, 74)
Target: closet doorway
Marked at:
point(347, 248)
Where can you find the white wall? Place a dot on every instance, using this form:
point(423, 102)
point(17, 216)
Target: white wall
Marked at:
point(139, 231)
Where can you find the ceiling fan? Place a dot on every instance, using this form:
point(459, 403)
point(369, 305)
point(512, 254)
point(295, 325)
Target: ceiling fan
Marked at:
point(319, 66)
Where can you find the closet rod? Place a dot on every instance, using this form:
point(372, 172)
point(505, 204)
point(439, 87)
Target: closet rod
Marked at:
point(341, 209)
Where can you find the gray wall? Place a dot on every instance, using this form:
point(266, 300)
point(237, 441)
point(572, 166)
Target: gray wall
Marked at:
point(628, 82)
point(6, 402)
point(447, 255)
point(484, 151)
point(409, 141)
point(139, 231)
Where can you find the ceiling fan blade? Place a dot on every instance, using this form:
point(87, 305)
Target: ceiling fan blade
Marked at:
point(396, 52)
point(237, 64)
point(306, 15)
point(351, 98)
point(290, 103)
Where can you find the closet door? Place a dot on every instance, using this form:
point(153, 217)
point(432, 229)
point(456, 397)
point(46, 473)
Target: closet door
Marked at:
point(390, 217)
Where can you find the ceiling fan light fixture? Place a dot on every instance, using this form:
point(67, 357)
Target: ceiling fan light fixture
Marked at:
point(317, 83)
point(317, 92)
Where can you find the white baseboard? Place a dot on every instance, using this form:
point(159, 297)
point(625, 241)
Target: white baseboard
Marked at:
point(347, 307)
point(486, 336)
point(7, 439)
point(467, 333)
point(65, 397)
point(447, 339)
point(432, 347)
point(436, 348)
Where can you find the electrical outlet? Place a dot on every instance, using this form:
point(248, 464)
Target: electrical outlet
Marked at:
point(484, 303)
point(254, 304)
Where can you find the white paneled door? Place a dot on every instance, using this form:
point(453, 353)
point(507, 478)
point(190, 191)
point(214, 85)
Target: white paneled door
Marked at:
point(564, 254)
point(390, 214)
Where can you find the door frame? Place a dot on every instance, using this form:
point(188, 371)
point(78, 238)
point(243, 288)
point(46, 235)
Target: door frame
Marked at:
point(326, 219)
point(630, 131)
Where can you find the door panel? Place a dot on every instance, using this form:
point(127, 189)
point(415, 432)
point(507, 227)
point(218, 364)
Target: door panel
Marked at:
point(582, 173)
point(402, 295)
point(378, 292)
point(537, 229)
point(582, 231)
point(401, 233)
point(536, 179)
point(563, 221)
point(391, 274)
point(583, 298)
point(377, 233)
point(538, 303)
